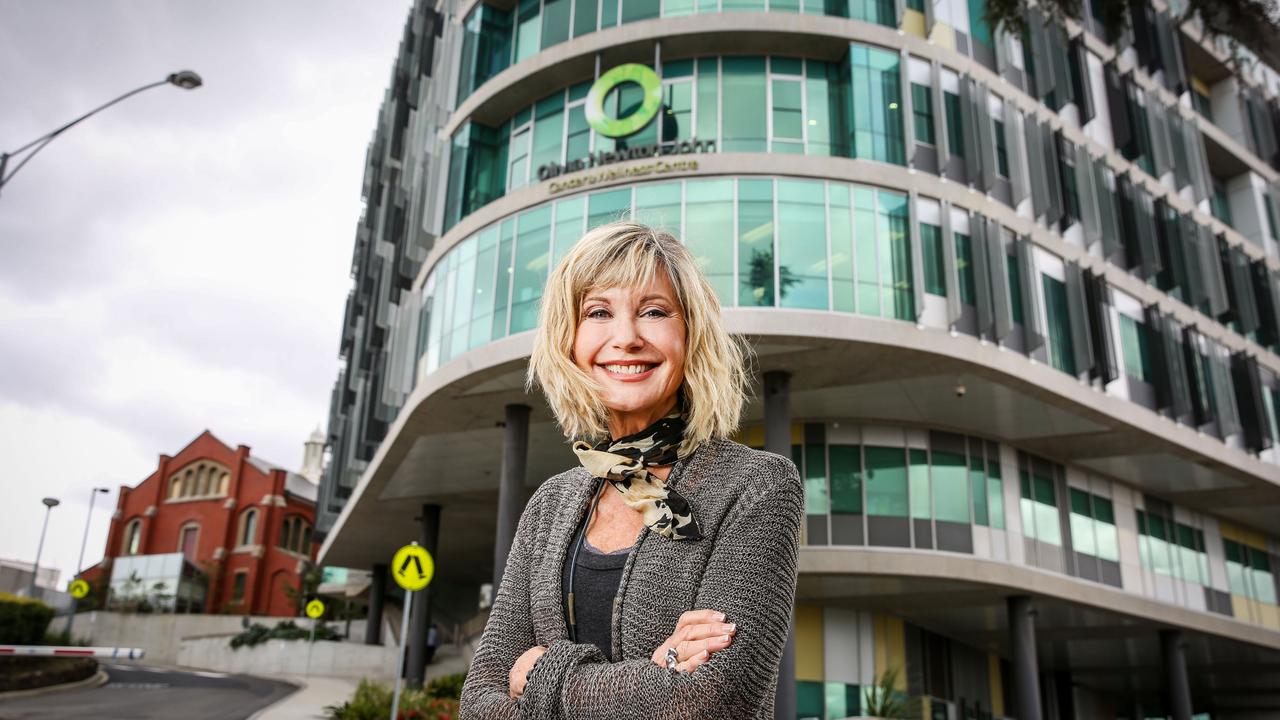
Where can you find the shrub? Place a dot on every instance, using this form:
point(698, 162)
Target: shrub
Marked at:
point(285, 630)
point(372, 701)
point(447, 686)
point(23, 621)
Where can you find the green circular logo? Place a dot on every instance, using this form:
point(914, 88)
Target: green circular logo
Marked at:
point(648, 81)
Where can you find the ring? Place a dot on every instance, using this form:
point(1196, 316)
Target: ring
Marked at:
point(672, 659)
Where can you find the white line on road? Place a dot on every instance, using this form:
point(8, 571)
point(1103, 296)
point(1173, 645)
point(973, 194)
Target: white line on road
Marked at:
point(203, 674)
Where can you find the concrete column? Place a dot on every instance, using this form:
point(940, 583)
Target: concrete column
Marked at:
point(1026, 667)
point(420, 621)
point(777, 439)
point(515, 452)
point(377, 598)
point(1177, 686)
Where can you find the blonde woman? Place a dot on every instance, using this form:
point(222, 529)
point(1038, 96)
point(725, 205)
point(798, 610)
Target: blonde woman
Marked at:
point(656, 580)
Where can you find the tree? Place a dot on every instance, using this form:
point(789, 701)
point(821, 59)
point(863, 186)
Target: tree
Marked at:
point(308, 586)
point(1251, 23)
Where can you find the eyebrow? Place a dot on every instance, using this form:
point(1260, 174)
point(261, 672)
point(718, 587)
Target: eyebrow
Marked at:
point(643, 300)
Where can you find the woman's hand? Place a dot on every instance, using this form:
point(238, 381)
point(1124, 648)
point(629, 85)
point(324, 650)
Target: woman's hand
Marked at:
point(520, 671)
point(698, 634)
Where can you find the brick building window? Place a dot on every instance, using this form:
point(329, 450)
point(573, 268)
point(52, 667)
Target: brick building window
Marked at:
point(202, 479)
point(248, 527)
point(133, 536)
point(295, 535)
point(238, 586)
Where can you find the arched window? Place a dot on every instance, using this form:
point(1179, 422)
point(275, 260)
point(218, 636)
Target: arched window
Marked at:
point(175, 487)
point(188, 540)
point(295, 535)
point(248, 526)
point(133, 536)
point(199, 480)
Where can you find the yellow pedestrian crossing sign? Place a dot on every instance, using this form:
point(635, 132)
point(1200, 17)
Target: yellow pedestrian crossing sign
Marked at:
point(412, 567)
point(315, 609)
point(79, 589)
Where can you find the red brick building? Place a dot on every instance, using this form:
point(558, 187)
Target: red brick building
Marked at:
point(242, 525)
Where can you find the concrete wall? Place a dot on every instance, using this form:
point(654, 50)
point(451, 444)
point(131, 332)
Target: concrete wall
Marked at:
point(332, 659)
point(161, 635)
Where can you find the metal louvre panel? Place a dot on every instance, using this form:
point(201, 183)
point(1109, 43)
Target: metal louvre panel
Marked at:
point(1161, 150)
point(1084, 94)
point(985, 131)
point(1226, 411)
point(1108, 211)
point(1263, 133)
point(1077, 315)
point(1032, 322)
point(928, 18)
point(899, 8)
point(939, 116)
point(1181, 156)
point(1199, 161)
point(1240, 282)
point(1117, 105)
point(1173, 261)
point(908, 104)
point(1253, 413)
point(998, 276)
point(917, 257)
point(981, 274)
point(1175, 73)
point(1064, 92)
point(1097, 305)
point(1036, 169)
point(1049, 155)
point(1127, 196)
point(969, 130)
point(1013, 147)
point(949, 266)
point(1179, 387)
point(1154, 328)
point(1065, 155)
point(1202, 410)
point(1146, 226)
point(1042, 76)
point(1211, 266)
point(1087, 196)
point(1265, 290)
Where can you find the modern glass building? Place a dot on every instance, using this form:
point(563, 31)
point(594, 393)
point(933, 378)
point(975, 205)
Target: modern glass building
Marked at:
point(1015, 302)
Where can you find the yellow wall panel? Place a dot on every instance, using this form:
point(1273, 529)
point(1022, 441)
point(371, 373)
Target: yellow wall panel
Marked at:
point(809, 647)
point(891, 647)
point(943, 36)
point(996, 684)
point(751, 436)
point(913, 23)
point(1241, 608)
point(1200, 87)
point(1270, 615)
point(1241, 535)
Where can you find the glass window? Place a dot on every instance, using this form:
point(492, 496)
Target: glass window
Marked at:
point(788, 111)
point(880, 12)
point(633, 10)
point(609, 206)
point(676, 8)
point(919, 484)
point(979, 29)
point(518, 162)
point(755, 243)
point(744, 105)
point(548, 132)
point(1104, 529)
point(864, 218)
point(569, 227)
point(677, 110)
point(1039, 503)
point(846, 478)
point(732, 5)
point(709, 236)
point(533, 245)
point(708, 98)
point(133, 537)
point(950, 487)
point(658, 205)
point(995, 487)
point(577, 143)
point(840, 240)
point(955, 134)
point(978, 482)
point(843, 701)
point(238, 586)
point(528, 29)
point(964, 268)
point(1133, 344)
point(935, 282)
point(922, 112)
point(895, 255)
point(486, 47)
point(502, 277)
point(1002, 151)
point(886, 481)
point(555, 22)
point(627, 99)
point(585, 13)
point(802, 245)
point(249, 527)
point(816, 499)
point(1059, 325)
point(1015, 288)
point(875, 107)
point(1082, 537)
point(823, 124)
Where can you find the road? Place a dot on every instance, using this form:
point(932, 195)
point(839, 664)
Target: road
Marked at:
point(143, 693)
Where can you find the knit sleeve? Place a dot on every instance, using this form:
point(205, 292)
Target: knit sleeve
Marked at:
point(750, 577)
point(508, 632)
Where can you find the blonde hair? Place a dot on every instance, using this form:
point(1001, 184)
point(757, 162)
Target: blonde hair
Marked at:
point(628, 254)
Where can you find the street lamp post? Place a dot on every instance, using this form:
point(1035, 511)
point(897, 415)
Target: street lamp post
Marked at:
point(185, 79)
point(80, 561)
point(49, 504)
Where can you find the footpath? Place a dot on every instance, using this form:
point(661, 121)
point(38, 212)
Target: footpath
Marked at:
point(314, 694)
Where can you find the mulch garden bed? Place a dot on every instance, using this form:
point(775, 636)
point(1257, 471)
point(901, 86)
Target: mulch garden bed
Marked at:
point(27, 673)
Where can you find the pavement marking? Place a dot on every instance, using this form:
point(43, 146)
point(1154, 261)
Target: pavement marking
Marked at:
point(204, 674)
point(135, 686)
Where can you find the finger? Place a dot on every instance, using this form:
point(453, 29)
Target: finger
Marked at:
point(699, 616)
point(701, 631)
point(690, 648)
point(692, 663)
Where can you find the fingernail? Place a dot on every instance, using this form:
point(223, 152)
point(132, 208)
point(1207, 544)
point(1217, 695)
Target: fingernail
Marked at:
point(722, 618)
point(724, 638)
point(731, 627)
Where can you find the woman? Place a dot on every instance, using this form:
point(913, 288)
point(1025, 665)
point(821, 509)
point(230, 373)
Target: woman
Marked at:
point(658, 579)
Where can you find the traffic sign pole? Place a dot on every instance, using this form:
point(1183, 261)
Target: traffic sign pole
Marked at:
point(315, 610)
point(404, 635)
point(310, 645)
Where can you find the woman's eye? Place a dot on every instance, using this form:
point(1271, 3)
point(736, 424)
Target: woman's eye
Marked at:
point(654, 313)
point(598, 314)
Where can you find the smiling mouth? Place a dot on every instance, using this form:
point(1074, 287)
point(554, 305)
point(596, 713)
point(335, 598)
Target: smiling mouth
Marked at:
point(629, 369)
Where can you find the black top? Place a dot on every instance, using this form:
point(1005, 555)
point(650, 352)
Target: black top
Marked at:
point(595, 585)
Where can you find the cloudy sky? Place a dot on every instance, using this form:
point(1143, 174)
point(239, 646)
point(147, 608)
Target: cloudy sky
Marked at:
point(179, 261)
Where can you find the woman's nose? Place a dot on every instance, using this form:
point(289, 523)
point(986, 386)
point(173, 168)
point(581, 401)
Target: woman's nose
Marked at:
point(626, 333)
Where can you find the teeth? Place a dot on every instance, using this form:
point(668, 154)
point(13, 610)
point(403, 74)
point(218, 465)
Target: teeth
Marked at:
point(628, 369)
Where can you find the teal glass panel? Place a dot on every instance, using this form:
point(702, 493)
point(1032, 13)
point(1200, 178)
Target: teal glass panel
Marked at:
point(880, 12)
point(788, 120)
point(1015, 288)
point(457, 179)
point(840, 229)
point(533, 256)
point(918, 477)
point(518, 162)
point(676, 8)
point(555, 21)
point(548, 132)
point(569, 228)
point(875, 106)
point(1105, 534)
point(482, 305)
point(745, 122)
point(1133, 346)
point(822, 121)
point(1082, 537)
point(708, 6)
point(785, 65)
point(950, 487)
point(784, 5)
point(964, 268)
point(677, 111)
point(486, 47)
point(802, 245)
point(577, 143)
point(979, 28)
point(866, 251)
point(886, 479)
point(709, 232)
point(464, 277)
point(736, 5)
point(932, 253)
point(708, 103)
point(846, 478)
point(608, 13)
point(585, 15)
point(609, 206)
point(502, 281)
point(809, 697)
point(842, 701)
point(1002, 151)
point(977, 483)
point(1059, 327)
point(658, 205)
point(955, 133)
point(528, 29)
point(755, 243)
point(627, 98)
point(633, 10)
point(922, 112)
point(895, 256)
point(995, 495)
point(816, 499)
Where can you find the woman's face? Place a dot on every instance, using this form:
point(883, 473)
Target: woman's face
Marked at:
point(632, 343)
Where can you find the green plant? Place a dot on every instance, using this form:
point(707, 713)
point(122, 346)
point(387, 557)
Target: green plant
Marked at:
point(257, 634)
point(882, 700)
point(372, 701)
point(23, 621)
point(447, 686)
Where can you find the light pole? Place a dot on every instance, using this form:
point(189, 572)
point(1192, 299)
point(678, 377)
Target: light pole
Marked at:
point(49, 504)
point(185, 79)
point(80, 561)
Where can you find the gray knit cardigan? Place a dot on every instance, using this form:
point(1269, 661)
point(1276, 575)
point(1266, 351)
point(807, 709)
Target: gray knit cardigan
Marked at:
point(749, 505)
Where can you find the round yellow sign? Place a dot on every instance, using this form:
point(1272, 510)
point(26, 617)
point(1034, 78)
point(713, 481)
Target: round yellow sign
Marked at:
point(315, 609)
point(412, 567)
point(79, 589)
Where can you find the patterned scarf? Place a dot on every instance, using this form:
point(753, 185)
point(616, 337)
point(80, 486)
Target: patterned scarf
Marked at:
point(623, 463)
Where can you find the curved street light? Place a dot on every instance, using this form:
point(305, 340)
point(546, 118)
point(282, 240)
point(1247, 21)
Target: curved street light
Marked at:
point(49, 505)
point(185, 79)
